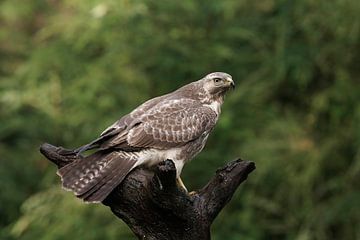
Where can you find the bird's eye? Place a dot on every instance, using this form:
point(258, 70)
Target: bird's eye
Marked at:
point(217, 80)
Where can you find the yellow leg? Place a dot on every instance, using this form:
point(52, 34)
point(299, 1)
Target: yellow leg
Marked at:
point(181, 184)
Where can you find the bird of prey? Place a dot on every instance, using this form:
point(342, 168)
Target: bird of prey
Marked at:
point(173, 126)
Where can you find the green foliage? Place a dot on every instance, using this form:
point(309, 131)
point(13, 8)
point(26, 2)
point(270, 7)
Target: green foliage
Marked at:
point(68, 69)
point(65, 216)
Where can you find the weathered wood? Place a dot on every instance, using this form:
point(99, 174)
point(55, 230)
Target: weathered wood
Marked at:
point(154, 207)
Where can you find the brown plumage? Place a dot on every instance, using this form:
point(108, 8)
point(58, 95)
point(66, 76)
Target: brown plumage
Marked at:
point(173, 126)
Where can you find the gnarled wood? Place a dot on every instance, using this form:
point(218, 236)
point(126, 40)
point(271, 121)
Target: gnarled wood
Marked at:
point(154, 207)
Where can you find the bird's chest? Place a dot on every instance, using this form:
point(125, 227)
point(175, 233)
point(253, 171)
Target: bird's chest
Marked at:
point(215, 106)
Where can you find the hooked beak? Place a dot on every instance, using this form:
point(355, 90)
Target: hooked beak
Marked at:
point(231, 82)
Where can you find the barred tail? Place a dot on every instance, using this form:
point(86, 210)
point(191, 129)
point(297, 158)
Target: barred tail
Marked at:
point(94, 177)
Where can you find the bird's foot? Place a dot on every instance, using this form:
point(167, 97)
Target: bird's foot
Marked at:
point(181, 184)
point(192, 193)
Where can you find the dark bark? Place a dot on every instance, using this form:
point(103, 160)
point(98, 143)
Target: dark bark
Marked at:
point(154, 207)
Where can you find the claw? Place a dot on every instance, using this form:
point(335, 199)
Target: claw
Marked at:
point(192, 193)
point(181, 184)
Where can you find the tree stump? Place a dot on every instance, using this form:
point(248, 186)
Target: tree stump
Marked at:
point(154, 207)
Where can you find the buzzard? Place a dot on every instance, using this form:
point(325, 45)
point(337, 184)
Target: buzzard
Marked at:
point(173, 126)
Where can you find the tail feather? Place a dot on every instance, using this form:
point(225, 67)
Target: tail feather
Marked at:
point(83, 171)
point(113, 178)
point(94, 177)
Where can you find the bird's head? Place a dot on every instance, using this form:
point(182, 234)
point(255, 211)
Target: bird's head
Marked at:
point(218, 83)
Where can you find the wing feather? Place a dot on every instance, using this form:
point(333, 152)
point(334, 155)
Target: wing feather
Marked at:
point(172, 124)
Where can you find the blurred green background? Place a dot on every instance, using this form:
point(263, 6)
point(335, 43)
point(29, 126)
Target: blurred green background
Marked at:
point(70, 68)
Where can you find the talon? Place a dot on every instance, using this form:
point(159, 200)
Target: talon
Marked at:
point(181, 184)
point(192, 193)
